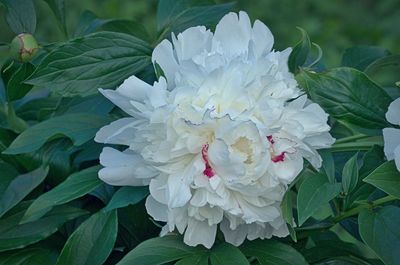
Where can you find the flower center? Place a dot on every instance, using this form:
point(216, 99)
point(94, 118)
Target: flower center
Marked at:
point(275, 158)
point(243, 146)
point(208, 171)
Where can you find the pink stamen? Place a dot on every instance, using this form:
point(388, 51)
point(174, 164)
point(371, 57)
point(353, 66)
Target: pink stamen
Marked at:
point(208, 171)
point(278, 158)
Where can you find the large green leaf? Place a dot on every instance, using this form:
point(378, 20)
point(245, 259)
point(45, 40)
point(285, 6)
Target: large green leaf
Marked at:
point(92, 242)
point(349, 95)
point(19, 187)
point(75, 186)
point(386, 177)
point(20, 15)
point(381, 232)
point(14, 235)
point(79, 127)
point(169, 248)
point(271, 252)
point(82, 65)
point(30, 256)
point(360, 57)
point(58, 8)
point(178, 15)
point(350, 174)
point(314, 192)
point(126, 196)
point(227, 254)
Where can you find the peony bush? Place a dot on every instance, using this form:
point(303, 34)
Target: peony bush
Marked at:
point(198, 144)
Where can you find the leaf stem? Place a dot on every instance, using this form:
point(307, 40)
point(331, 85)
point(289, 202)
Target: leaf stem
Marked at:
point(359, 208)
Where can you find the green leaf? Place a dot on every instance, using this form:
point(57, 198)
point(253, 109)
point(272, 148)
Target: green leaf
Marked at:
point(349, 95)
point(93, 104)
point(387, 178)
point(90, 23)
point(350, 174)
point(178, 15)
point(20, 15)
point(126, 196)
point(360, 57)
point(300, 52)
point(287, 208)
point(8, 173)
point(92, 242)
point(326, 249)
point(99, 60)
point(380, 231)
point(29, 256)
point(16, 89)
point(371, 160)
point(201, 259)
point(271, 252)
point(79, 127)
point(226, 254)
point(75, 186)
point(14, 235)
point(126, 26)
point(391, 60)
point(328, 164)
point(314, 192)
point(169, 248)
point(58, 8)
point(20, 187)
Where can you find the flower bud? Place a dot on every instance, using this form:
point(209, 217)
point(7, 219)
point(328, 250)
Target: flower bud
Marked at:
point(24, 47)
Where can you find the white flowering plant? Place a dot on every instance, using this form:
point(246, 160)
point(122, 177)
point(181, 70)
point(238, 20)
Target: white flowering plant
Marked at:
point(198, 144)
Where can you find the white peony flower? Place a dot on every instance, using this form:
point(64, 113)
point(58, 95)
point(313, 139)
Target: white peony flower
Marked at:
point(391, 136)
point(219, 138)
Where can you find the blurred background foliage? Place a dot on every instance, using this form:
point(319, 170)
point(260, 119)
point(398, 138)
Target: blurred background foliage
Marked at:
point(334, 25)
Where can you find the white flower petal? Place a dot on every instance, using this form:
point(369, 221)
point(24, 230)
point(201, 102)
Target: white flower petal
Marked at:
point(134, 88)
point(397, 157)
point(157, 210)
point(179, 191)
point(391, 139)
point(198, 232)
point(192, 42)
point(163, 55)
point(123, 169)
point(237, 236)
point(263, 40)
point(233, 34)
point(393, 113)
point(118, 132)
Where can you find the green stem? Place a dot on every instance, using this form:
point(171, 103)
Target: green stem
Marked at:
point(359, 208)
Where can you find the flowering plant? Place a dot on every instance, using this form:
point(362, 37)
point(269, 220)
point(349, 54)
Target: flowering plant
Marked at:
point(210, 147)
